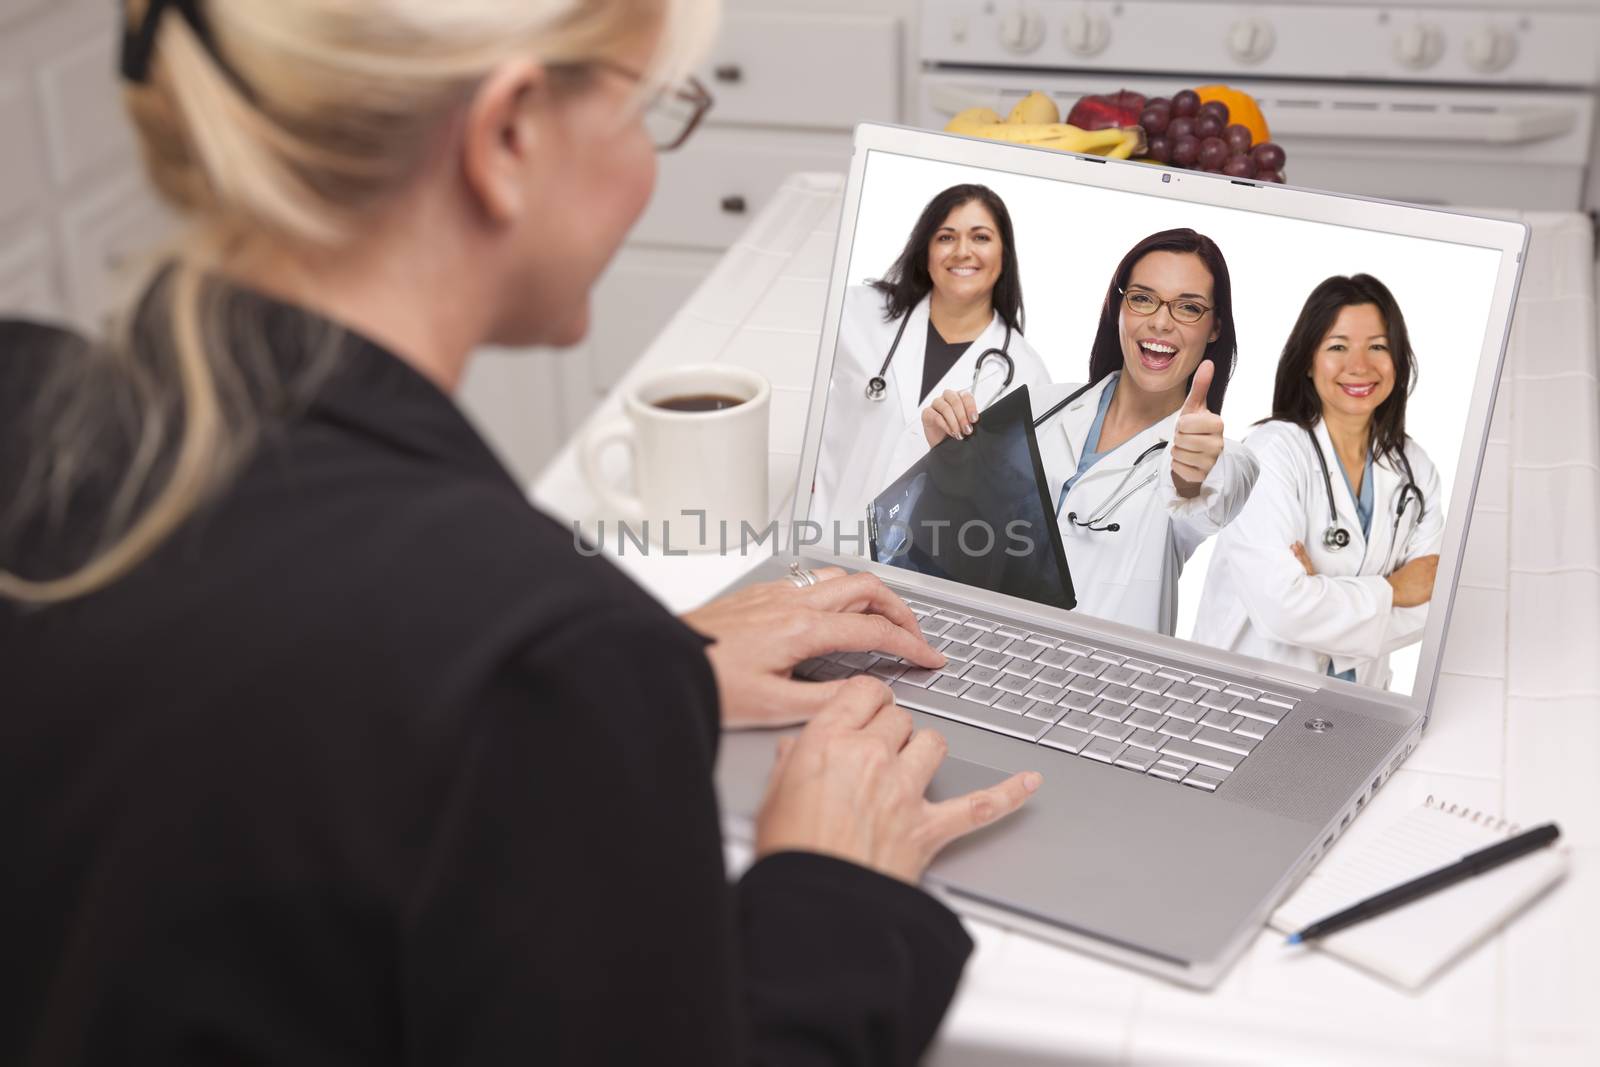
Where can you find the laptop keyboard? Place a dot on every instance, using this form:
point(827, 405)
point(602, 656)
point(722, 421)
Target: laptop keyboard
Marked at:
point(1137, 714)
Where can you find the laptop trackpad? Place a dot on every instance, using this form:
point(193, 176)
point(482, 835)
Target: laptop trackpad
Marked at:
point(957, 777)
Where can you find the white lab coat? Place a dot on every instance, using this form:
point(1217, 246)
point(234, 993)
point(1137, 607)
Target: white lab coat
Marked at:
point(1130, 575)
point(867, 444)
point(1259, 601)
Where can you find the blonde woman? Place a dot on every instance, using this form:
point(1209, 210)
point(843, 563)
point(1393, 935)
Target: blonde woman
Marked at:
point(320, 746)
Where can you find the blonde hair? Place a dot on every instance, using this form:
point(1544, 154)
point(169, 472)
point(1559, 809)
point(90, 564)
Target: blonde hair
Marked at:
point(302, 118)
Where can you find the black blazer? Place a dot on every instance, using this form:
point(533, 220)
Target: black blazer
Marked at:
point(367, 765)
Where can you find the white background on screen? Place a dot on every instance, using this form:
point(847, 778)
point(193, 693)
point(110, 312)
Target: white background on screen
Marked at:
point(1071, 237)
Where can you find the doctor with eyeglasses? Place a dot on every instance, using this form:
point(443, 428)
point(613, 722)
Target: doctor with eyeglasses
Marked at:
point(1137, 457)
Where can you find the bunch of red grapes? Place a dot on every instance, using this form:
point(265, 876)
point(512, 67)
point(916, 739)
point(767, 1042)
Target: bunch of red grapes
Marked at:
point(1183, 132)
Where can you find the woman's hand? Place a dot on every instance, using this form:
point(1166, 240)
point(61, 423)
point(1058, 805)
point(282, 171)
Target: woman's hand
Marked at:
point(1197, 442)
point(762, 632)
point(950, 415)
point(853, 785)
point(1413, 582)
point(1304, 557)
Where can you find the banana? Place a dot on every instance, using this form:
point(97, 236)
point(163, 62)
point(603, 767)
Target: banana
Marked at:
point(1132, 141)
point(973, 118)
point(1113, 143)
point(1052, 135)
point(1036, 107)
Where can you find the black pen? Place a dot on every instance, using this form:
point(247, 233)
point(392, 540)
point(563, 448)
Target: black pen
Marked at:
point(1473, 863)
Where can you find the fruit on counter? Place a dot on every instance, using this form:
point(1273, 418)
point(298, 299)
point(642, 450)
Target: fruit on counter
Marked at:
point(1214, 128)
point(1213, 153)
point(1215, 109)
point(1121, 108)
point(1113, 142)
point(1239, 167)
point(973, 116)
point(1242, 108)
point(1155, 118)
point(1036, 107)
point(1267, 157)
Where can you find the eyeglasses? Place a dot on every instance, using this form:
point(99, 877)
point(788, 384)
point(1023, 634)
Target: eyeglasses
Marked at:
point(671, 115)
point(1184, 310)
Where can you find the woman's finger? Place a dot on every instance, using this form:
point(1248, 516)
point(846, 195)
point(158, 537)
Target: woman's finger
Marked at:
point(922, 755)
point(951, 408)
point(971, 404)
point(864, 592)
point(957, 407)
point(950, 819)
point(777, 702)
point(854, 702)
point(829, 632)
point(893, 724)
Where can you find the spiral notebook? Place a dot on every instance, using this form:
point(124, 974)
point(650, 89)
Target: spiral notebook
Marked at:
point(1415, 942)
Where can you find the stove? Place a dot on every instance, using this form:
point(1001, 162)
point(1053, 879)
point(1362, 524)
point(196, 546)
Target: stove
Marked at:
point(1432, 101)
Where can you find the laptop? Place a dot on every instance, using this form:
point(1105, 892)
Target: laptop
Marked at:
point(978, 512)
point(1161, 840)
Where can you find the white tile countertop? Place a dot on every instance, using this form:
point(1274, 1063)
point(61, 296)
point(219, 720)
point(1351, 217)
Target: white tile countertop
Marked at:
point(1516, 726)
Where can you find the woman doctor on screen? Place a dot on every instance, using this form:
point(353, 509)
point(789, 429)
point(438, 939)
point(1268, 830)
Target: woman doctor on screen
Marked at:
point(1136, 458)
point(951, 301)
point(1332, 587)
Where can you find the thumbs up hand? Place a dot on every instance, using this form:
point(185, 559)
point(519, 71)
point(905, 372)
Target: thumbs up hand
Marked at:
point(1198, 440)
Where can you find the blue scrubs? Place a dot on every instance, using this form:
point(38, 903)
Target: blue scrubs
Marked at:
point(1092, 438)
point(1364, 513)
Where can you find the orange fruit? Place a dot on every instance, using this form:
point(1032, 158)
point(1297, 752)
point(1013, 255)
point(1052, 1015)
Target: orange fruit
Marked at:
point(1242, 108)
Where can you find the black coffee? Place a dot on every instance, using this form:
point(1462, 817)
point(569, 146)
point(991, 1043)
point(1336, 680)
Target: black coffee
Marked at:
point(700, 402)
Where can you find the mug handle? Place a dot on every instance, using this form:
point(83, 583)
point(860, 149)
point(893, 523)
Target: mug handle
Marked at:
point(595, 443)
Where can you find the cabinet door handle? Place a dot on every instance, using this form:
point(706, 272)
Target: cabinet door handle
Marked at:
point(734, 205)
point(731, 73)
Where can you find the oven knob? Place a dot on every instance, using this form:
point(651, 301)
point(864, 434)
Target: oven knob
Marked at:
point(1251, 40)
point(1490, 49)
point(1418, 46)
point(1021, 30)
point(1087, 33)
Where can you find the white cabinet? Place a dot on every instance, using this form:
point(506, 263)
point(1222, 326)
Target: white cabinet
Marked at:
point(807, 70)
point(28, 278)
point(23, 180)
point(790, 80)
point(709, 190)
point(109, 243)
point(76, 219)
point(652, 284)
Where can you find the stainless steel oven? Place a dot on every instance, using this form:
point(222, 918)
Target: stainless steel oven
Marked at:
point(1462, 103)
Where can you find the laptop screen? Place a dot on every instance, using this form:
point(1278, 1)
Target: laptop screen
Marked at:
point(1342, 364)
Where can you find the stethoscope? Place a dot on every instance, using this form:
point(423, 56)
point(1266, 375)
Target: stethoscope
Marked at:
point(1096, 522)
point(878, 384)
point(1336, 536)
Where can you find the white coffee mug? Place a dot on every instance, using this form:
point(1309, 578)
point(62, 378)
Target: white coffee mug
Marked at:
point(698, 474)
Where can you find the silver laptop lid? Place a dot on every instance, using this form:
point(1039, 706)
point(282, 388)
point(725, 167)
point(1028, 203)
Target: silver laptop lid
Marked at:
point(1453, 278)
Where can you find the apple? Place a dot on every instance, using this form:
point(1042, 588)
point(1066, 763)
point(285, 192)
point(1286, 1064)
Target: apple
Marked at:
point(1099, 112)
